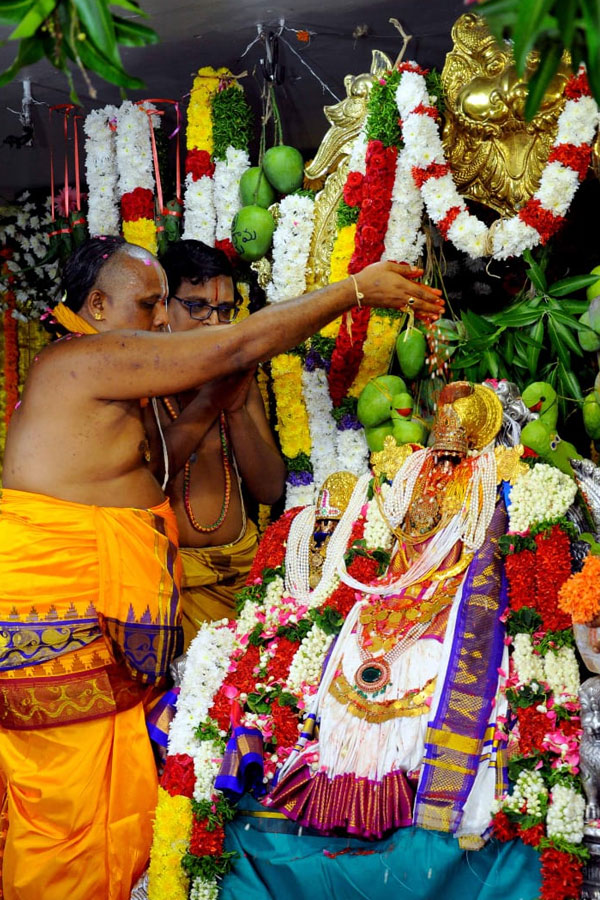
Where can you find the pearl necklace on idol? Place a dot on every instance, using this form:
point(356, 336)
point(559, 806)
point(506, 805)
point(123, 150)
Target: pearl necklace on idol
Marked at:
point(468, 525)
point(297, 554)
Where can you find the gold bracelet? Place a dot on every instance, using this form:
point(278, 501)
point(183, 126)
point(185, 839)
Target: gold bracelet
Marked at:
point(359, 295)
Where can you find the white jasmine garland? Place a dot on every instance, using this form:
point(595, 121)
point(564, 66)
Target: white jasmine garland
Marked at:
point(101, 171)
point(577, 125)
point(322, 425)
point(299, 495)
point(291, 247)
point(204, 890)
point(226, 181)
point(542, 493)
point(358, 153)
point(305, 669)
point(207, 762)
point(529, 666)
point(561, 671)
point(565, 817)
point(529, 790)
point(199, 217)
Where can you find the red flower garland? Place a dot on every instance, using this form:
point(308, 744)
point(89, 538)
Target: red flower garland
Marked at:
point(285, 724)
point(178, 778)
point(354, 188)
point(137, 204)
point(573, 157)
point(562, 875)
point(544, 221)
point(520, 571)
point(204, 842)
point(278, 666)
point(502, 827)
point(199, 163)
point(271, 550)
point(532, 835)
point(552, 568)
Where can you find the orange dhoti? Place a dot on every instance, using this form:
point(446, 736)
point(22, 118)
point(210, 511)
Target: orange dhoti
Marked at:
point(89, 611)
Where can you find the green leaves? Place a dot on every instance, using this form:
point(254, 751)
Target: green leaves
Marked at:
point(84, 31)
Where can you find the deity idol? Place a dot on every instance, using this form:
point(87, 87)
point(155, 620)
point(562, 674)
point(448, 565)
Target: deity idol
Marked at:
point(410, 694)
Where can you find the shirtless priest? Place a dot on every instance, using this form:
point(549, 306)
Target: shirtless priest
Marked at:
point(89, 574)
point(233, 446)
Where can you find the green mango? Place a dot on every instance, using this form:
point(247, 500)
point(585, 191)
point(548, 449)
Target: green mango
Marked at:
point(255, 189)
point(375, 400)
point(597, 387)
point(284, 167)
point(376, 436)
point(591, 416)
point(593, 290)
point(409, 431)
point(411, 348)
point(252, 232)
point(587, 340)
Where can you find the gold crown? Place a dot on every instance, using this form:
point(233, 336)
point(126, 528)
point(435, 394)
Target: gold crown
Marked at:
point(335, 494)
point(449, 435)
point(481, 415)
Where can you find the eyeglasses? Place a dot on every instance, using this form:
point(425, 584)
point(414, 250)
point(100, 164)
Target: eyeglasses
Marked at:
point(200, 311)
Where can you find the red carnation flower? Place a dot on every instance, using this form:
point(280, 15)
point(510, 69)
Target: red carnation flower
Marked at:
point(423, 110)
point(562, 875)
point(204, 842)
point(412, 67)
point(532, 835)
point(178, 778)
point(573, 156)
point(137, 204)
point(445, 223)
point(578, 86)
point(544, 221)
point(435, 170)
point(199, 163)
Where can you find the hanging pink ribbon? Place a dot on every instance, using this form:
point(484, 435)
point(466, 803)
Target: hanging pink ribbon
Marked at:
point(174, 134)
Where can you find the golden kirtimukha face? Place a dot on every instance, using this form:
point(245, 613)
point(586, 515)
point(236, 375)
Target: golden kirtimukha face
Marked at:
point(496, 156)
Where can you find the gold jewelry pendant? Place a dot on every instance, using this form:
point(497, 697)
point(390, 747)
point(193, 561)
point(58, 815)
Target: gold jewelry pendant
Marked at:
point(373, 675)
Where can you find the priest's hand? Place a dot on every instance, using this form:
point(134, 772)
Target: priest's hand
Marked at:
point(395, 286)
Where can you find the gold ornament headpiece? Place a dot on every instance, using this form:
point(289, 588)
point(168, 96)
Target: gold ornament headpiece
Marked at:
point(469, 417)
point(449, 436)
point(335, 494)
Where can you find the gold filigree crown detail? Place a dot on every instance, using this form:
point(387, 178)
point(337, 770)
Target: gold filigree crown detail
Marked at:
point(449, 435)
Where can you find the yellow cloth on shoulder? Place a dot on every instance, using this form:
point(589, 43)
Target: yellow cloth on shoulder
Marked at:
point(89, 622)
point(212, 576)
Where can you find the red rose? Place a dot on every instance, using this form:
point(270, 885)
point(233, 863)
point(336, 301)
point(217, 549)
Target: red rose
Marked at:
point(178, 778)
point(199, 163)
point(137, 204)
point(353, 189)
point(285, 725)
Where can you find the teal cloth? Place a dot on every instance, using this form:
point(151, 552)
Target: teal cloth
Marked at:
point(275, 861)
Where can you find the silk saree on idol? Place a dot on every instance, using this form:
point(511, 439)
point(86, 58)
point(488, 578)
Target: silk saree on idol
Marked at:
point(89, 622)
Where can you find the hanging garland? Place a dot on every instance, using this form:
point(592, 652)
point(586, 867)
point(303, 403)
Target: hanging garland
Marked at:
point(102, 175)
point(541, 216)
point(136, 174)
point(291, 246)
point(545, 807)
point(293, 428)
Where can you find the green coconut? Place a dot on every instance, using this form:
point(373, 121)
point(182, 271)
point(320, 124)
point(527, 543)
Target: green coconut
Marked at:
point(284, 167)
point(252, 232)
point(375, 401)
point(411, 349)
point(255, 188)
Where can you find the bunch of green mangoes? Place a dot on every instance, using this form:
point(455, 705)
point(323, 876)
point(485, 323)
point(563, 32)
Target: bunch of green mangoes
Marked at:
point(386, 408)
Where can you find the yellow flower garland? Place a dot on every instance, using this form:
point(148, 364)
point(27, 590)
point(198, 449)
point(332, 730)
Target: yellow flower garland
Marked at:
point(377, 349)
point(292, 419)
point(343, 248)
point(199, 134)
point(141, 232)
point(172, 833)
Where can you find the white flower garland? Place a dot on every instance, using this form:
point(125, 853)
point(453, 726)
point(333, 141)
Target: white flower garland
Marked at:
point(226, 180)
point(404, 238)
point(101, 171)
point(377, 532)
point(542, 493)
point(562, 673)
point(200, 218)
point(299, 495)
point(358, 153)
point(291, 247)
point(322, 425)
point(353, 451)
point(305, 669)
point(566, 813)
point(204, 890)
point(134, 149)
point(528, 791)
point(529, 666)
point(577, 125)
